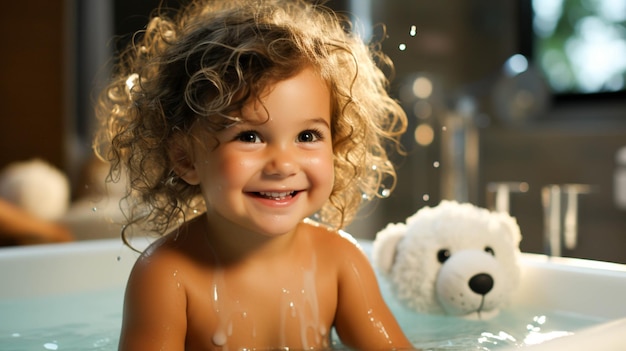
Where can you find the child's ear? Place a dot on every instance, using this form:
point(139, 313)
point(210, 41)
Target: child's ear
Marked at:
point(182, 162)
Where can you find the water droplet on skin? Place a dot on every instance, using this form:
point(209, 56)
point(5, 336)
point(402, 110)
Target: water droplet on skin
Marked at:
point(413, 31)
point(230, 329)
point(94, 209)
point(219, 338)
point(293, 309)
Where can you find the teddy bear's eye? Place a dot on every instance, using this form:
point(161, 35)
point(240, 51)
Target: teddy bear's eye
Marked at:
point(489, 250)
point(443, 255)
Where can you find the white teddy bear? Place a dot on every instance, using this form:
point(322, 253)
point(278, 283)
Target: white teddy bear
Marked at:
point(455, 259)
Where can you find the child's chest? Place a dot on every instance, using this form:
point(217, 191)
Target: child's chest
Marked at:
point(273, 306)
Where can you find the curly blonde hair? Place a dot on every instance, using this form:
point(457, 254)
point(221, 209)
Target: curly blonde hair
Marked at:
point(211, 57)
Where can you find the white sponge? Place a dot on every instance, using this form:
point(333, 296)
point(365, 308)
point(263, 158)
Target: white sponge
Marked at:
point(37, 187)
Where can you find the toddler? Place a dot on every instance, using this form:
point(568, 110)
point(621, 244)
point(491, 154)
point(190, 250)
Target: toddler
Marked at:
point(249, 133)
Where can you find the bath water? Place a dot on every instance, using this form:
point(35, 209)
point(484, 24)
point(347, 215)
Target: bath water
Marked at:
point(81, 321)
point(511, 328)
point(514, 328)
point(91, 321)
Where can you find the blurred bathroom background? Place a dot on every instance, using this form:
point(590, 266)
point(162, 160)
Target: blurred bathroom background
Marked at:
point(506, 99)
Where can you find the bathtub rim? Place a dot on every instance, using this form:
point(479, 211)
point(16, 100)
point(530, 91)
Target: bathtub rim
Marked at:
point(107, 252)
point(113, 257)
point(108, 249)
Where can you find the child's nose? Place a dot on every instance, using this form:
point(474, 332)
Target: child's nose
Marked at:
point(281, 162)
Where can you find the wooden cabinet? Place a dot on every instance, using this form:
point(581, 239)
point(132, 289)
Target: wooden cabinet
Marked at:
point(32, 83)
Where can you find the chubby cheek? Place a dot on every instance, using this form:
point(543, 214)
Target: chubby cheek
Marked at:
point(223, 175)
point(322, 172)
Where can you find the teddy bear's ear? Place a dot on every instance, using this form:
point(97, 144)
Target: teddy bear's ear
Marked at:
point(510, 227)
point(385, 245)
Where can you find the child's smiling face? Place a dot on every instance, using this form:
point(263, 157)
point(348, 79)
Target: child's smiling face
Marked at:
point(275, 167)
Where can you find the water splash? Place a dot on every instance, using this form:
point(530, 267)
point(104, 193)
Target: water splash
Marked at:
point(412, 33)
point(51, 346)
point(385, 193)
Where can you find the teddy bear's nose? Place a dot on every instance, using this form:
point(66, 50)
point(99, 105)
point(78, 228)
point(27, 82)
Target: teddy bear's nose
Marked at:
point(481, 283)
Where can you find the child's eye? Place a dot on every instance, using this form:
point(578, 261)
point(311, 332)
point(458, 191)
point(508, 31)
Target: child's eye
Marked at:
point(248, 137)
point(309, 136)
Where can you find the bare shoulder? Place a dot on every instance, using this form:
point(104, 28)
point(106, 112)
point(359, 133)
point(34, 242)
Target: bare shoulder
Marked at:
point(336, 246)
point(158, 272)
point(167, 266)
point(330, 238)
point(156, 257)
point(178, 249)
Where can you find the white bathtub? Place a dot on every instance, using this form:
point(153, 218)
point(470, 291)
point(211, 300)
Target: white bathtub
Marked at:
point(584, 287)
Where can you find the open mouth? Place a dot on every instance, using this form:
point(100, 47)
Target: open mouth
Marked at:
point(275, 195)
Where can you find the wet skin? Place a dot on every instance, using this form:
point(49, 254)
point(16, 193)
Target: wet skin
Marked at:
point(251, 273)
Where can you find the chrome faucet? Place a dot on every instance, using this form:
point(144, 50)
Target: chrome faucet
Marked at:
point(499, 194)
point(460, 152)
point(561, 225)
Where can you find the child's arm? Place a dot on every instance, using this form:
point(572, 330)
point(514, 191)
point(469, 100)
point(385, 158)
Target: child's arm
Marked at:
point(154, 307)
point(363, 320)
